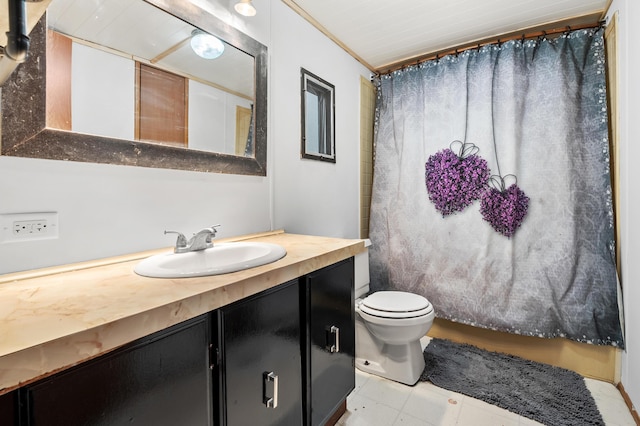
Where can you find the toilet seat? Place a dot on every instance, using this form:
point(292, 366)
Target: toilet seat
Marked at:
point(395, 304)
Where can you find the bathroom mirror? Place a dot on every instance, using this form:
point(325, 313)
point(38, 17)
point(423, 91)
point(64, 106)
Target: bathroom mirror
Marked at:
point(127, 59)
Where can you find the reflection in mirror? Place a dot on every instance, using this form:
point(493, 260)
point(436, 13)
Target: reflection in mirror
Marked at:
point(159, 82)
point(318, 141)
point(127, 72)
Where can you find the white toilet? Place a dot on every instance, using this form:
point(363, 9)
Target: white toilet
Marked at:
point(389, 325)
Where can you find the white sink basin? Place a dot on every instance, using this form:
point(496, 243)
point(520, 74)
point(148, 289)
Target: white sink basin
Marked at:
point(222, 258)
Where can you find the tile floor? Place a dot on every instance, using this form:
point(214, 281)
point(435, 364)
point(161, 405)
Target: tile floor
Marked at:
point(379, 402)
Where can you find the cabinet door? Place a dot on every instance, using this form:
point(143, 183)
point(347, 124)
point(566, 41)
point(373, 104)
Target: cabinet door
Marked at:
point(261, 361)
point(163, 379)
point(330, 350)
point(8, 407)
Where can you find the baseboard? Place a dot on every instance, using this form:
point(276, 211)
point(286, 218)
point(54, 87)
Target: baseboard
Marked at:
point(627, 401)
point(337, 414)
point(597, 362)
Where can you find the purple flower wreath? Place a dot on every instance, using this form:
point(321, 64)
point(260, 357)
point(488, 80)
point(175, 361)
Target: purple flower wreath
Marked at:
point(454, 181)
point(504, 209)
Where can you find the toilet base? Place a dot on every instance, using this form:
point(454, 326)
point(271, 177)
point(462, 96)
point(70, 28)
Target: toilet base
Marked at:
point(400, 363)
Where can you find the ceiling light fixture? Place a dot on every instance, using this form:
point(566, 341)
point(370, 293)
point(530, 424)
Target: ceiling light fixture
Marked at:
point(205, 45)
point(244, 7)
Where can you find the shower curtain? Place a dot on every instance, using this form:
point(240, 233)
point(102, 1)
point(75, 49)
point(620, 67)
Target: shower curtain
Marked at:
point(535, 109)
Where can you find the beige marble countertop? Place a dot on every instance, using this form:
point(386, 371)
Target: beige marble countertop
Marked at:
point(55, 318)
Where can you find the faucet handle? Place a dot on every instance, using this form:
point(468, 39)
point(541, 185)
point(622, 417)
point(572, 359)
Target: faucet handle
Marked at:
point(181, 241)
point(210, 234)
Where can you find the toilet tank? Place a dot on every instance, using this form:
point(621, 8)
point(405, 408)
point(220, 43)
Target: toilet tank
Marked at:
point(361, 271)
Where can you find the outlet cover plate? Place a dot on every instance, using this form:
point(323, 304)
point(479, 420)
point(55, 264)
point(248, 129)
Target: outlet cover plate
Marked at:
point(35, 226)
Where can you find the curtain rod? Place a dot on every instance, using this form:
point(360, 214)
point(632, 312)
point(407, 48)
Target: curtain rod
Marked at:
point(477, 45)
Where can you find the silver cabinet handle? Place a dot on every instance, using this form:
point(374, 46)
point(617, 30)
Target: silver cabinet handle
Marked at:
point(336, 332)
point(273, 401)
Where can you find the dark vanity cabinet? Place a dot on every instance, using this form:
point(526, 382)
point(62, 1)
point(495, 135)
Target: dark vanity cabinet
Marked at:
point(284, 356)
point(260, 374)
point(162, 379)
point(287, 354)
point(329, 346)
point(9, 409)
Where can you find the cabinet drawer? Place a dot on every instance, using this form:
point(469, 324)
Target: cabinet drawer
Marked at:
point(163, 379)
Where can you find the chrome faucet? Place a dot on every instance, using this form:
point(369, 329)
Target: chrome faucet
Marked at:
point(200, 241)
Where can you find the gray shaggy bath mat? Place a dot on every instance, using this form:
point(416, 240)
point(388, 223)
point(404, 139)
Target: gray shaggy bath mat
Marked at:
point(549, 395)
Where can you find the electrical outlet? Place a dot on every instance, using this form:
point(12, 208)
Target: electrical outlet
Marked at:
point(28, 226)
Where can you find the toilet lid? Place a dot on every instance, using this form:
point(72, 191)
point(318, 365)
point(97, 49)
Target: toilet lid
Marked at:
point(396, 304)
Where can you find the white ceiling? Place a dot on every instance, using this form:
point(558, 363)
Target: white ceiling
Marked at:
point(382, 32)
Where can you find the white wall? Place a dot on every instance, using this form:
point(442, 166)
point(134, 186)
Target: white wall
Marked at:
point(106, 210)
point(313, 197)
point(207, 116)
point(213, 112)
point(629, 105)
point(102, 86)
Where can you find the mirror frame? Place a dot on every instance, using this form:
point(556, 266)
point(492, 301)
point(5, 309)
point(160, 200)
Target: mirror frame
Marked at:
point(24, 133)
point(325, 125)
